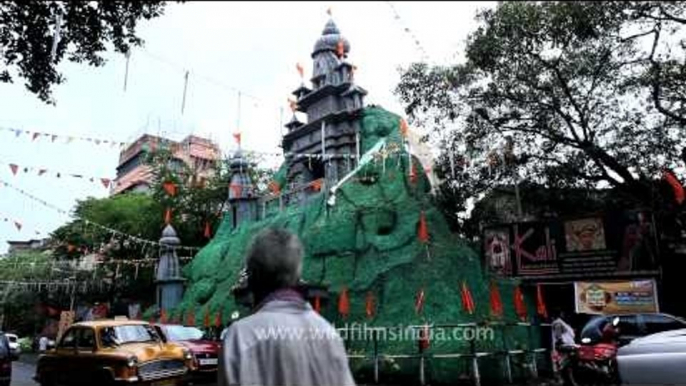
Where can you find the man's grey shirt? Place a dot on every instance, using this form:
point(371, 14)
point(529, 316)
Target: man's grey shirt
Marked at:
point(285, 343)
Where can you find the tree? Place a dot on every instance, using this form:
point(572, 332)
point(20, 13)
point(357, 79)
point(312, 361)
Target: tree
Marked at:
point(28, 30)
point(560, 94)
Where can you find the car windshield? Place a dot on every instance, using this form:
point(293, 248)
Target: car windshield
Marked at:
point(178, 333)
point(118, 335)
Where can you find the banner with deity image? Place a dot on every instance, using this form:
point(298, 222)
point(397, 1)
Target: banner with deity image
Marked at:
point(611, 244)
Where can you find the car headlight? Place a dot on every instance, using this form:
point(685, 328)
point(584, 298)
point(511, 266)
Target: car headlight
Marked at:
point(132, 362)
point(187, 355)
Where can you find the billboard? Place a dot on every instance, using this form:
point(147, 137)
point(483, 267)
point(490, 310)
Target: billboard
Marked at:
point(595, 245)
point(621, 297)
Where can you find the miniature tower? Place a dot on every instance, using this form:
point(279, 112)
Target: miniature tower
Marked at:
point(242, 197)
point(325, 146)
point(168, 276)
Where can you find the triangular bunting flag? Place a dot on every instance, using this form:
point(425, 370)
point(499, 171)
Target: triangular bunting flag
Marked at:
point(344, 303)
point(422, 229)
point(317, 304)
point(170, 188)
point(14, 168)
point(403, 127)
point(300, 69)
point(35, 135)
point(105, 182)
point(496, 301)
point(419, 301)
point(208, 230)
point(520, 305)
point(424, 338)
point(206, 319)
point(218, 319)
point(18, 225)
point(237, 137)
point(191, 317)
point(370, 306)
point(540, 302)
point(53, 137)
point(42, 171)
point(467, 300)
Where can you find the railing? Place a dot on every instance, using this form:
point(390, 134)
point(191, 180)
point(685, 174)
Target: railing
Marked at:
point(266, 203)
point(530, 355)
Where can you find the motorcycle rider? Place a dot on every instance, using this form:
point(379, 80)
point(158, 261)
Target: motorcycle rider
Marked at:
point(563, 346)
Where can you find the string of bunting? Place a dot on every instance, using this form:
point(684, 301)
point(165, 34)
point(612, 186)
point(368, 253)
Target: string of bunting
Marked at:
point(107, 229)
point(16, 168)
point(35, 135)
point(419, 46)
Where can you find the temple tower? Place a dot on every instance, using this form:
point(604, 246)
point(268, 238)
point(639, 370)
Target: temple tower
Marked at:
point(325, 147)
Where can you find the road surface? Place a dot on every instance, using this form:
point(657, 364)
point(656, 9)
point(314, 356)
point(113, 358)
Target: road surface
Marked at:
point(22, 374)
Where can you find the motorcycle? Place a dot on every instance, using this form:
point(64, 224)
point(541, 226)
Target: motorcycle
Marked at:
point(595, 363)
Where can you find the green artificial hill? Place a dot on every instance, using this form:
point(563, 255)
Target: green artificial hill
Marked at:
point(368, 242)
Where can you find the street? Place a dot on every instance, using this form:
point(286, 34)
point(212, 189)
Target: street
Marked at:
point(22, 374)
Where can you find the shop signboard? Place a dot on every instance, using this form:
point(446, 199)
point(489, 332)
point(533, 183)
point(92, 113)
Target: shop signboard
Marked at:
point(589, 246)
point(618, 297)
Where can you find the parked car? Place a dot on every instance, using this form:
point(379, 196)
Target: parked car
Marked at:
point(656, 359)
point(6, 359)
point(108, 352)
point(205, 350)
point(631, 326)
point(15, 350)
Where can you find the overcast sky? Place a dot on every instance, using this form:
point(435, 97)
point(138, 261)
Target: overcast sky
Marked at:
point(225, 46)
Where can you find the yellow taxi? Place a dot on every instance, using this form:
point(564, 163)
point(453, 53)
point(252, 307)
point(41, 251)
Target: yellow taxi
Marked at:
point(113, 352)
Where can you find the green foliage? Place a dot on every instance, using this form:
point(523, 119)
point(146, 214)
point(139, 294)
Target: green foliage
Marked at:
point(560, 94)
point(86, 30)
point(131, 213)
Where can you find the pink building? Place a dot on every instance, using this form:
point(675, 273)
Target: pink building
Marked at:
point(134, 175)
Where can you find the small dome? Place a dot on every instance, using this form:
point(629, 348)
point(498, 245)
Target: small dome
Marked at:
point(168, 231)
point(329, 39)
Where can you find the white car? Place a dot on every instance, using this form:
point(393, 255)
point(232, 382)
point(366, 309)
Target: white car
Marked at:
point(656, 359)
point(15, 349)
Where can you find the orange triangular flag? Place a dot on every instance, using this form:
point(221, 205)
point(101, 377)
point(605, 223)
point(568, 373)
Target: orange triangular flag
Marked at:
point(370, 306)
point(413, 174)
point(419, 302)
point(18, 225)
point(71, 248)
point(14, 168)
point(340, 48)
point(167, 216)
point(423, 229)
point(293, 105)
point(540, 302)
point(496, 301)
point(191, 317)
point(520, 306)
point(300, 69)
point(208, 230)
point(206, 319)
point(317, 304)
point(218, 318)
point(237, 137)
point(274, 187)
point(403, 127)
point(170, 188)
point(105, 182)
point(424, 337)
point(467, 300)
point(344, 303)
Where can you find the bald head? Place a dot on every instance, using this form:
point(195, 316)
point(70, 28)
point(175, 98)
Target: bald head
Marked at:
point(273, 261)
